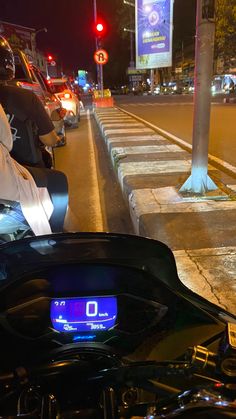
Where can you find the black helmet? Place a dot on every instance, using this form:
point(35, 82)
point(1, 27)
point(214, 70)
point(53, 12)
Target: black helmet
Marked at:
point(7, 65)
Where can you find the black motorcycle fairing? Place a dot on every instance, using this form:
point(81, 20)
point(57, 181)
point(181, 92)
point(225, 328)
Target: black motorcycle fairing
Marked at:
point(158, 319)
point(19, 258)
point(152, 316)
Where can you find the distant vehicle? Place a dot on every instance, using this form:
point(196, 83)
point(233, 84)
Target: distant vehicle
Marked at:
point(157, 90)
point(188, 86)
point(68, 99)
point(28, 76)
point(223, 84)
point(168, 88)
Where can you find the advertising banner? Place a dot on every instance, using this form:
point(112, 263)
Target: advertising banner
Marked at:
point(154, 27)
point(18, 36)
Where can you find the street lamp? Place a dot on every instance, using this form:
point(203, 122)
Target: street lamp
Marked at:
point(131, 31)
point(129, 3)
point(33, 42)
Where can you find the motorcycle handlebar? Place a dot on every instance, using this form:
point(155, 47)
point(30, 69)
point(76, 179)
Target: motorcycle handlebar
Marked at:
point(134, 372)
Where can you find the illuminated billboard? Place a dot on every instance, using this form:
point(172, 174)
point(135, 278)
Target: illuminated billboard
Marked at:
point(154, 28)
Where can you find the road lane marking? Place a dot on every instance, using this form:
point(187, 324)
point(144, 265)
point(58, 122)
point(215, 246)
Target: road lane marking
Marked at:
point(163, 104)
point(95, 191)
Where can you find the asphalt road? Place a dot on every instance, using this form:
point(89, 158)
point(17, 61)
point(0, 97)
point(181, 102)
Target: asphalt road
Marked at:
point(95, 199)
point(175, 115)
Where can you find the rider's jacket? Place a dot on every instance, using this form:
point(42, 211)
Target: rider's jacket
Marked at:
point(28, 119)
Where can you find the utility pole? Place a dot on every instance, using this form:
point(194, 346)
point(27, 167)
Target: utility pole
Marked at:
point(199, 182)
point(152, 80)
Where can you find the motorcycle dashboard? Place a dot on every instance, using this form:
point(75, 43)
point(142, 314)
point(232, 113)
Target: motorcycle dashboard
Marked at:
point(95, 289)
point(85, 303)
point(83, 314)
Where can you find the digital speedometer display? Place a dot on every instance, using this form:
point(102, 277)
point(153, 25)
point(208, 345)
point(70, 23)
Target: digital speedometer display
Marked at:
point(83, 314)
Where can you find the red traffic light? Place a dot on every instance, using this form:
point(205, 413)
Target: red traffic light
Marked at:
point(50, 58)
point(100, 29)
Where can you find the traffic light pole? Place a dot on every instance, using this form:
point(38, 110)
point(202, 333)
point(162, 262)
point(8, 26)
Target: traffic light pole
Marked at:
point(96, 45)
point(199, 182)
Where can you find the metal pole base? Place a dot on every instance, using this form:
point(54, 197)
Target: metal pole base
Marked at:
point(200, 185)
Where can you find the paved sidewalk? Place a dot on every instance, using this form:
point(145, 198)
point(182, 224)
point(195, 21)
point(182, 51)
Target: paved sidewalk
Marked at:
point(202, 233)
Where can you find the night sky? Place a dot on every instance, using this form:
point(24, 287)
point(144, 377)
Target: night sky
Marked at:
point(70, 28)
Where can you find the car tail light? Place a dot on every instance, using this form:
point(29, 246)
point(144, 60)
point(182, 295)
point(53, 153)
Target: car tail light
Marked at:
point(62, 112)
point(67, 96)
point(58, 114)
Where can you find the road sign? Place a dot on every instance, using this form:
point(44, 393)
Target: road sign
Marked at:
point(101, 56)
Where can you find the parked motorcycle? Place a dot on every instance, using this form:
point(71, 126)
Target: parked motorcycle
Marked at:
point(98, 325)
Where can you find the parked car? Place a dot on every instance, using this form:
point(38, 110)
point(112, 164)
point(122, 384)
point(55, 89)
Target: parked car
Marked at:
point(28, 76)
point(69, 100)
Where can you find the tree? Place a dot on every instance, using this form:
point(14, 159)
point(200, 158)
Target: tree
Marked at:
point(225, 39)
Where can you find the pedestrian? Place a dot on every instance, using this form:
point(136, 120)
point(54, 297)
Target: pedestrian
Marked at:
point(31, 126)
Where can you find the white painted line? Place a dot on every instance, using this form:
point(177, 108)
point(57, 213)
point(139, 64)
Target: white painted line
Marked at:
point(183, 143)
point(134, 138)
point(148, 149)
point(142, 104)
point(143, 138)
point(95, 192)
point(152, 168)
point(119, 115)
point(116, 118)
point(128, 131)
point(167, 200)
point(125, 124)
point(107, 112)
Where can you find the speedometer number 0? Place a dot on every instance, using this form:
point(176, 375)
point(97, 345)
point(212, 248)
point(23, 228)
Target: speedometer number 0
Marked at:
point(91, 308)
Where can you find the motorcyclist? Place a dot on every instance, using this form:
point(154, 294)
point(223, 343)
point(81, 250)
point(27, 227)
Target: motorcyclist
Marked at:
point(17, 185)
point(26, 150)
point(30, 124)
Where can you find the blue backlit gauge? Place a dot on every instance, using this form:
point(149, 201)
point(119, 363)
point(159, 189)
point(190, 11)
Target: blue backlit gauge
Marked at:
point(72, 315)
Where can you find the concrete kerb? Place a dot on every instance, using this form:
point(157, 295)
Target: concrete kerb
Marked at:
point(215, 161)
